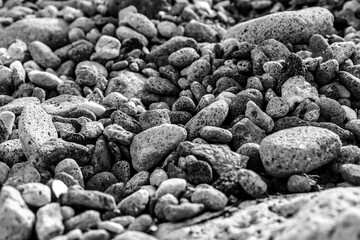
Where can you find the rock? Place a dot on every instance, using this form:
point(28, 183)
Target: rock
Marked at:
point(80, 50)
point(296, 90)
point(51, 31)
point(141, 223)
point(134, 204)
point(123, 220)
point(197, 71)
point(298, 150)
point(277, 107)
point(4, 172)
point(8, 118)
point(153, 118)
point(183, 57)
point(343, 50)
point(168, 29)
point(92, 130)
point(199, 172)
point(162, 203)
point(21, 173)
point(348, 154)
point(184, 211)
point(49, 222)
point(161, 86)
point(158, 176)
point(327, 72)
point(351, 83)
point(71, 167)
point(257, 116)
point(220, 157)
point(62, 105)
point(17, 105)
point(99, 234)
point(245, 131)
point(320, 47)
point(137, 181)
point(237, 105)
point(88, 200)
point(215, 134)
point(289, 26)
point(35, 194)
point(111, 227)
point(88, 73)
point(134, 235)
point(160, 54)
point(124, 33)
point(35, 128)
point(141, 24)
point(174, 186)
point(201, 32)
point(211, 198)
point(44, 79)
point(298, 184)
point(127, 83)
point(252, 183)
point(43, 55)
point(101, 181)
point(118, 134)
point(213, 115)
point(83, 221)
point(151, 146)
point(16, 220)
point(351, 173)
point(108, 47)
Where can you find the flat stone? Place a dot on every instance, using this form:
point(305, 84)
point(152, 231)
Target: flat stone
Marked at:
point(35, 194)
point(298, 150)
point(43, 55)
point(134, 235)
point(151, 146)
point(17, 105)
point(88, 200)
point(51, 31)
point(252, 183)
point(289, 26)
point(83, 221)
point(213, 115)
point(141, 24)
point(184, 211)
point(49, 222)
point(62, 105)
point(44, 79)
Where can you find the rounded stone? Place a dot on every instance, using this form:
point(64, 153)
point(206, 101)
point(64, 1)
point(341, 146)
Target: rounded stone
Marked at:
point(134, 204)
point(298, 184)
point(298, 150)
point(174, 186)
point(212, 198)
point(101, 181)
point(289, 26)
point(108, 47)
point(351, 173)
point(252, 183)
point(183, 57)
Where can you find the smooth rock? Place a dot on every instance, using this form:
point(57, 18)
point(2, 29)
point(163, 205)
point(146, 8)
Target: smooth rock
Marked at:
point(213, 199)
point(134, 204)
point(49, 222)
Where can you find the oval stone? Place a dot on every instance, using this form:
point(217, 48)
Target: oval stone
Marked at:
point(298, 150)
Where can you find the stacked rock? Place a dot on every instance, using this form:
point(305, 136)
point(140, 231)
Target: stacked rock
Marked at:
point(110, 125)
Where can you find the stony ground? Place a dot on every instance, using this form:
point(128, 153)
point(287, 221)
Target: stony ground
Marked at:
point(199, 119)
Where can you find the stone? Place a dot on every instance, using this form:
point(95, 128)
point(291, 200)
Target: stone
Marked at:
point(298, 184)
point(88, 200)
point(83, 221)
point(62, 105)
point(8, 118)
point(298, 150)
point(252, 183)
point(245, 131)
point(161, 54)
point(257, 116)
point(49, 222)
point(183, 57)
point(167, 29)
point(44, 79)
point(197, 71)
point(124, 33)
point(141, 223)
point(213, 115)
point(21, 173)
point(88, 73)
point(118, 134)
point(289, 26)
point(141, 24)
point(351, 173)
point(108, 47)
point(152, 145)
point(57, 188)
point(71, 167)
point(296, 90)
point(351, 82)
point(201, 32)
point(174, 186)
point(184, 211)
point(211, 198)
point(331, 110)
point(111, 227)
point(320, 47)
point(327, 72)
point(134, 235)
point(16, 220)
point(153, 118)
point(123, 220)
point(237, 105)
point(343, 50)
point(134, 204)
point(92, 130)
point(17, 105)
point(101, 181)
point(4, 172)
point(128, 83)
point(43, 55)
point(277, 107)
point(215, 134)
point(220, 157)
point(35, 194)
point(122, 171)
point(199, 172)
point(137, 181)
point(157, 177)
point(161, 86)
point(162, 203)
point(99, 234)
point(35, 128)
point(51, 31)
point(348, 154)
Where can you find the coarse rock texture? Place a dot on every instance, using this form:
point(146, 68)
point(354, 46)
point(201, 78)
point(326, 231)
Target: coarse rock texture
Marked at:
point(298, 150)
point(294, 27)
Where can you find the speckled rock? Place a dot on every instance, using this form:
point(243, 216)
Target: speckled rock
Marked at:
point(44, 79)
point(101, 181)
point(212, 198)
point(252, 183)
point(201, 32)
point(183, 57)
point(118, 134)
point(151, 146)
point(35, 194)
point(17, 105)
point(351, 173)
point(83, 221)
point(71, 167)
point(288, 26)
point(174, 186)
point(124, 32)
point(108, 47)
point(51, 31)
point(62, 105)
point(298, 184)
point(215, 134)
point(141, 23)
point(298, 150)
point(134, 204)
point(49, 222)
point(127, 83)
point(351, 82)
point(43, 55)
point(184, 211)
point(212, 115)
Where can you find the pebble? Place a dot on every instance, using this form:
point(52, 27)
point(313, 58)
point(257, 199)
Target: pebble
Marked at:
point(245, 131)
point(184, 211)
point(99, 234)
point(289, 26)
point(100, 181)
point(174, 186)
point(351, 173)
point(35, 194)
point(161, 86)
point(83, 221)
point(201, 32)
point(215, 134)
point(128, 83)
point(122, 171)
point(49, 221)
point(8, 118)
point(4, 172)
point(199, 172)
point(257, 116)
point(71, 167)
point(351, 83)
point(320, 47)
point(21, 173)
point(296, 90)
point(88, 73)
point(124, 33)
point(137, 181)
point(16, 220)
point(134, 204)
point(211, 198)
point(153, 118)
point(238, 103)
point(158, 176)
point(142, 24)
point(183, 57)
point(108, 47)
point(141, 223)
point(277, 107)
point(167, 29)
point(152, 145)
point(134, 235)
point(161, 203)
point(43, 55)
point(298, 184)
point(44, 79)
point(111, 227)
point(298, 150)
point(118, 134)
point(252, 183)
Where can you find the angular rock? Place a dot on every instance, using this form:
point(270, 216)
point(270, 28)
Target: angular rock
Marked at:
point(49, 222)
